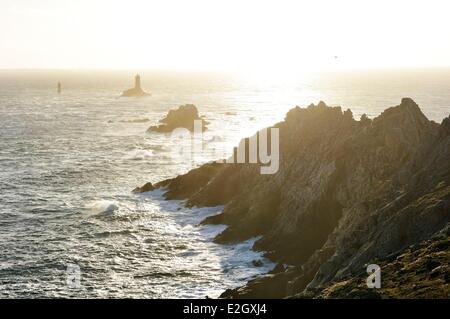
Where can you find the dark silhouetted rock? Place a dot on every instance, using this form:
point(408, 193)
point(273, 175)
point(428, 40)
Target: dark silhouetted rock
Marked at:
point(279, 268)
point(257, 263)
point(183, 117)
point(144, 189)
point(365, 120)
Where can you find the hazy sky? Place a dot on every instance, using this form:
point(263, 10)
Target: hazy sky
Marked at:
point(231, 35)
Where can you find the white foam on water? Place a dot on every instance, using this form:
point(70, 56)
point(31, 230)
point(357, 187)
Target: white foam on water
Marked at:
point(139, 155)
point(103, 206)
point(233, 262)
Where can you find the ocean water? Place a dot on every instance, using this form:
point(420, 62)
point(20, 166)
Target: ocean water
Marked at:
point(68, 164)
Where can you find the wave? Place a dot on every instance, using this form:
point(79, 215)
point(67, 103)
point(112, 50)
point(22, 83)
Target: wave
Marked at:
point(103, 206)
point(113, 233)
point(139, 155)
point(159, 148)
point(139, 120)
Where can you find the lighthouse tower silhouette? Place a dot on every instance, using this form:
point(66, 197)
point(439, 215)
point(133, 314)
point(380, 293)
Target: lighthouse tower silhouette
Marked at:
point(137, 82)
point(137, 90)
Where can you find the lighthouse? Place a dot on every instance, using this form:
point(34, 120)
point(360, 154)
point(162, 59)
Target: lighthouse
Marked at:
point(137, 90)
point(137, 82)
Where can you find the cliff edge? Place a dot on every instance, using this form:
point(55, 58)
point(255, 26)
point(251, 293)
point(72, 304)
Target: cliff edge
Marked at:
point(347, 193)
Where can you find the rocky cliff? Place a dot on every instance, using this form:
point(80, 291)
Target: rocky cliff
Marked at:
point(348, 193)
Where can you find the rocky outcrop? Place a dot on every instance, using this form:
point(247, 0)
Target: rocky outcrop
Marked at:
point(347, 193)
point(148, 187)
point(419, 271)
point(190, 184)
point(183, 117)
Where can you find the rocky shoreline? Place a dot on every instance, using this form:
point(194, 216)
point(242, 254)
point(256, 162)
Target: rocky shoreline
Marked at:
point(348, 193)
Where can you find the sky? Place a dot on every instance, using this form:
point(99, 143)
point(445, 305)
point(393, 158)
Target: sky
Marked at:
point(223, 35)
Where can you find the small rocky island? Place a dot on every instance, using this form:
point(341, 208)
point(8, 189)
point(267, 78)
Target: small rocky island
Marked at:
point(348, 194)
point(183, 117)
point(137, 91)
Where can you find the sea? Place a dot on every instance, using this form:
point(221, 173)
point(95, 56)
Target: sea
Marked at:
point(70, 226)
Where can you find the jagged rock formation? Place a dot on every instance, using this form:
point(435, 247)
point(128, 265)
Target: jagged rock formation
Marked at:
point(137, 91)
point(348, 193)
point(420, 271)
point(183, 117)
point(148, 187)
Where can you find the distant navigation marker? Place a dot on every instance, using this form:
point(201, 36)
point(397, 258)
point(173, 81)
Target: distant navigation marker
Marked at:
point(59, 87)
